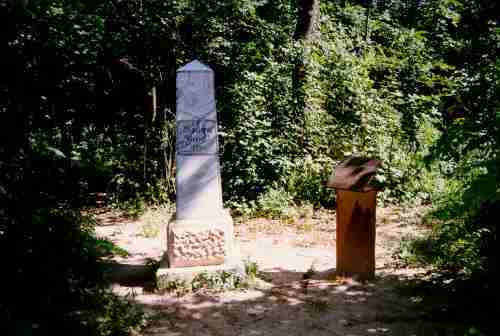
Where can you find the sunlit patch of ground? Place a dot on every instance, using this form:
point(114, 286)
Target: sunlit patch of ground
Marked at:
point(284, 301)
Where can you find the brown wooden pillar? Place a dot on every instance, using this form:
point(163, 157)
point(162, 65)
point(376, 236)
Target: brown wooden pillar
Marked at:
point(356, 233)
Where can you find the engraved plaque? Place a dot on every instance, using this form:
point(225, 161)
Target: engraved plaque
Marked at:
point(196, 137)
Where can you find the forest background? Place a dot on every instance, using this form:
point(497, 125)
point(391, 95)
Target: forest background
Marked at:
point(88, 107)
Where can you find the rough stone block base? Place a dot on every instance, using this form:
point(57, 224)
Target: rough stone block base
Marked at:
point(199, 242)
point(195, 246)
point(188, 247)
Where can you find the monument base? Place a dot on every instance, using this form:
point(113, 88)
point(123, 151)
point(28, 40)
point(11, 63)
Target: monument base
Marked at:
point(166, 275)
point(195, 246)
point(199, 242)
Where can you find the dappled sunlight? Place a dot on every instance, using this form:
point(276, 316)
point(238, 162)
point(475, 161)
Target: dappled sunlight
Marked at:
point(287, 310)
point(297, 291)
point(98, 117)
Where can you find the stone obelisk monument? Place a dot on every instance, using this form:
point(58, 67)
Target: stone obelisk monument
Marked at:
point(200, 235)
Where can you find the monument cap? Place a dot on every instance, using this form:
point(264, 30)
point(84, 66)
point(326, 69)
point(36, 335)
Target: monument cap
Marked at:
point(194, 66)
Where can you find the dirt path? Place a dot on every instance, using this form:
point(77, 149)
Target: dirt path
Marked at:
point(283, 304)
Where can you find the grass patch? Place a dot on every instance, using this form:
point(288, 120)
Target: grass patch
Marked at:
point(153, 219)
point(218, 281)
point(317, 306)
point(106, 248)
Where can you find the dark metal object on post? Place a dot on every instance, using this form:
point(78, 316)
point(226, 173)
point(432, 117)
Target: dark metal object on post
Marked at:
point(356, 213)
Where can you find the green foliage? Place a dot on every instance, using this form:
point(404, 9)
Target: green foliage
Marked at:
point(274, 203)
point(220, 280)
point(178, 287)
point(256, 149)
point(413, 83)
point(58, 279)
point(108, 314)
point(306, 181)
point(251, 269)
point(467, 148)
point(242, 207)
point(462, 242)
point(133, 207)
point(150, 231)
point(370, 96)
point(106, 248)
point(378, 97)
point(414, 251)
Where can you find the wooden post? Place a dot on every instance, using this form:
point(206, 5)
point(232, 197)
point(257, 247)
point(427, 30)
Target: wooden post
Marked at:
point(356, 233)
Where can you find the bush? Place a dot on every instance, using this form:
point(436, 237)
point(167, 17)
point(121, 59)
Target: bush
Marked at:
point(306, 181)
point(275, 202)
point(55, 282)
point(462, 246)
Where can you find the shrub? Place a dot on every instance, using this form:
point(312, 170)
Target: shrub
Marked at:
point(307, 178)
point(462, 244)
point(56, 283)
point(275, 202)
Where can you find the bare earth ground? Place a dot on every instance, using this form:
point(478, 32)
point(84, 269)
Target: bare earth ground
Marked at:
point(283, 303)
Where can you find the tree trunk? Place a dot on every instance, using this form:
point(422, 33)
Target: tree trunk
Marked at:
point(307, 17)
point(305, 31)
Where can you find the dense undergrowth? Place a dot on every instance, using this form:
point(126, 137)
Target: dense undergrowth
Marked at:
point(462, 247)
point(54, 280)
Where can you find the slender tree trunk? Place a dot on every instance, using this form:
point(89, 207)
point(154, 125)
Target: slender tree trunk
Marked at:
point(305, 31)
point(367, 20)
point(307, 16)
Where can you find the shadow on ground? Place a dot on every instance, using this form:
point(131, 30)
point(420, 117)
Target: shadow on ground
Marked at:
point(130, 275)
point(287, 304)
